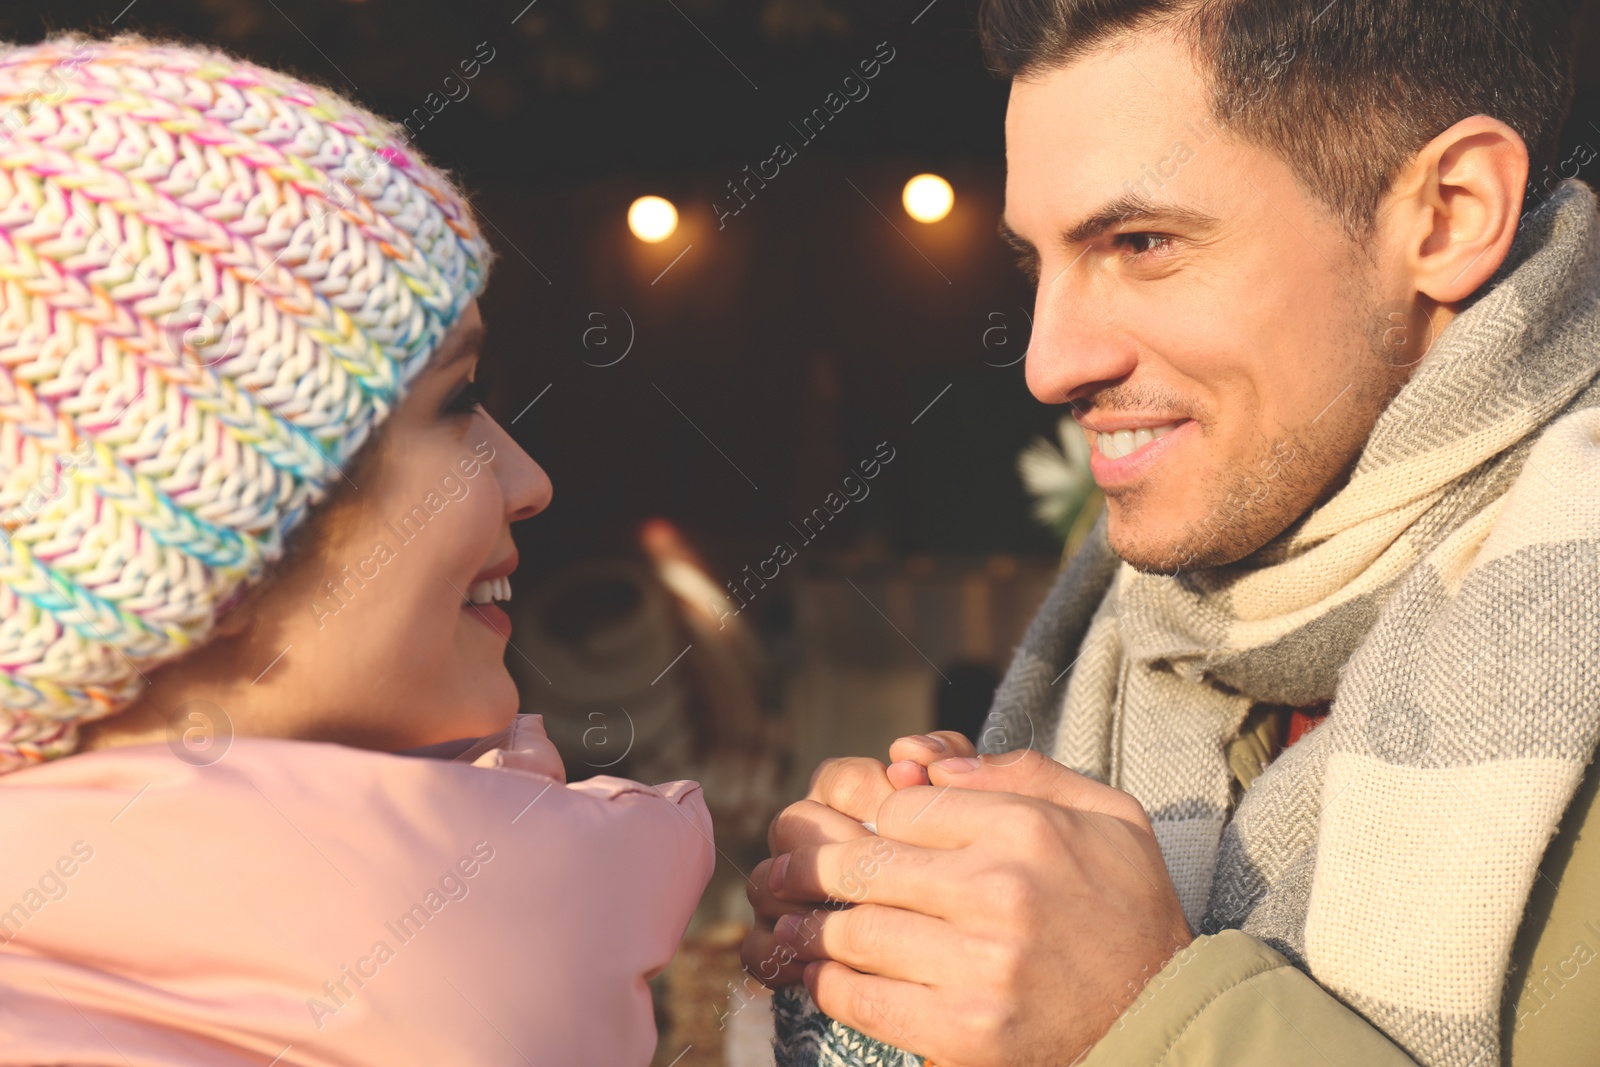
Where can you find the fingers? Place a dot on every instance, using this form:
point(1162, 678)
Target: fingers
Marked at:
point(911, 755)
point(945, 818)
point(772, 962)
point(802, 824)
point(904, 774)
point(807, 822)
point(854, 786)
point(923, 749)
point(876, 869)
point(879, 940)
point(883, 1008)
point(768, 907)
point(1033, 774)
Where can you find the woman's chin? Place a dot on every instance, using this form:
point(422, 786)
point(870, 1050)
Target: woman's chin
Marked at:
point(489, 715)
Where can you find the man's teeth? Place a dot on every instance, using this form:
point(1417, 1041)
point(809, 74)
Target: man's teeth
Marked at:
point(1126, 442)
point(493, 589)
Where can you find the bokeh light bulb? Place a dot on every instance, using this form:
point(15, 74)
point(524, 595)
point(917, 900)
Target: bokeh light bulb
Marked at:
point(652, 218)
point(928, 198)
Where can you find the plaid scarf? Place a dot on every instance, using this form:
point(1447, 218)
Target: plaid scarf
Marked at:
point(1446, 600)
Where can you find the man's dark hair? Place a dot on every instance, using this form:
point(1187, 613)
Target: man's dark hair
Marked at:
point(1346, 91)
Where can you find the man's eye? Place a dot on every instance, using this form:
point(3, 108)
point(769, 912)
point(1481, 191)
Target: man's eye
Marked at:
point(1028, 264)
point(1140, 244)
point(471, 395)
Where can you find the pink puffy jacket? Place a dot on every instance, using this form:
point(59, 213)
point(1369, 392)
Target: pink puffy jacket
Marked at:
point(298, 903)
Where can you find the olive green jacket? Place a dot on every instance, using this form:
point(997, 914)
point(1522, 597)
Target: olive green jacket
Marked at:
point(1229, 999)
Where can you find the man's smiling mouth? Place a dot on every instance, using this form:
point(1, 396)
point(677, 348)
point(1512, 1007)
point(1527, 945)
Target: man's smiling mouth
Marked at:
point(1125, 448)
point(1117, 444)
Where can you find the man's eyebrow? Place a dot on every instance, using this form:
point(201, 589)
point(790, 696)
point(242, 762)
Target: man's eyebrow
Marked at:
point(1125, 209)
point(461, 347)
point(1018, 243)
point(1139, 209)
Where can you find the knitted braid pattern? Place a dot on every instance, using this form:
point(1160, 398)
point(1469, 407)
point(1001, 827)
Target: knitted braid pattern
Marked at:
point(215, 282)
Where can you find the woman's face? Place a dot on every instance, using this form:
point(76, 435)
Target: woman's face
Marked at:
point(381, 640)
point(369, 639)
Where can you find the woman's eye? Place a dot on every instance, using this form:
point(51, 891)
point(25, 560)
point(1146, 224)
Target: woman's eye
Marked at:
point(470, 396)
point(1140, 244)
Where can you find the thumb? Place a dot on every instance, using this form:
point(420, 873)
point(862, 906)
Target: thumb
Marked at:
point(1032, 774)
point(925, 748)
point(909, 756)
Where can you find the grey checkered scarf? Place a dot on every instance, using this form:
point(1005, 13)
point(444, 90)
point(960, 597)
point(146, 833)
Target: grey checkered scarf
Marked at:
point(1446, 600)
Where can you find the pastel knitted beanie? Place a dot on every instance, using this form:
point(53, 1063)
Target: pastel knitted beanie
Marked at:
point(215, 282)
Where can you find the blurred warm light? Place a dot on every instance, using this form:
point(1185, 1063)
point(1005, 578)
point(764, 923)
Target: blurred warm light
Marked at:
point(652, 218)
point(928, 198)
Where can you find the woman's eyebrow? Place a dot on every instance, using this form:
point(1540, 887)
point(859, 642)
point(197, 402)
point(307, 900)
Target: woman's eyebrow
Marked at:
point(461, 347)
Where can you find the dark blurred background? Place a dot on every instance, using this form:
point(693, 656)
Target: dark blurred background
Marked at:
point(696, 399)
point(800, 335)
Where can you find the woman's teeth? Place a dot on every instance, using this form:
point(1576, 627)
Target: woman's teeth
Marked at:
point(1126, 442)
point(493, 589)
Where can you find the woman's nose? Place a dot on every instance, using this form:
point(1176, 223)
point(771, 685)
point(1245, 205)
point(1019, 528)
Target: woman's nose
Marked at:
point(524, 484)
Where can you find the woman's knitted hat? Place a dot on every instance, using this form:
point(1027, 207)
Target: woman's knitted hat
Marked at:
point(215, 282)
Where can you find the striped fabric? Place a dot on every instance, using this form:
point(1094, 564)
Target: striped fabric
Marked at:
point(215, 282)
point(1447, 600)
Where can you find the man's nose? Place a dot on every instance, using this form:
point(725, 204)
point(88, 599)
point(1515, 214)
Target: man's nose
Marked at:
point(1076, 348)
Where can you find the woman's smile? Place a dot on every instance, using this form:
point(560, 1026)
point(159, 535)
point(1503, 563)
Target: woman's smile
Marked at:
point(489, 586)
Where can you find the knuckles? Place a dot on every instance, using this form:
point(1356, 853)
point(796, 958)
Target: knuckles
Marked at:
point(756, 891)
point(857, 931)
point(859, 1004)
point(990, 1021)
point(994, 1022)
point(1029, 761)
point(843, 999)
point(772, 964)
point(787, 827)
point(1036, 827)
point(1010, 894)
point(854, 785)
point(905, 806)
point(984, 1022)
point(823, 769)
point(999, 966)
point(1137, 815)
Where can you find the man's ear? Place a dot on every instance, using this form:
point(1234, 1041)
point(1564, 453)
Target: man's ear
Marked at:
point(1456, 207)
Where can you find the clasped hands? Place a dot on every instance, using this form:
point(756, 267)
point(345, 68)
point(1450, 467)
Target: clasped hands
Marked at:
point(1006, 911)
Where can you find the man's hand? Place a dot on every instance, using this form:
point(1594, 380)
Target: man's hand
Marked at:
point(909, 757)
point(854, 789)
point(1007, 915)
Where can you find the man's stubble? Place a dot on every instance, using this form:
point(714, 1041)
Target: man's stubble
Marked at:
point(1290, 471)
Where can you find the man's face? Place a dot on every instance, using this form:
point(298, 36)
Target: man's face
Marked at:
point(1208, 321)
